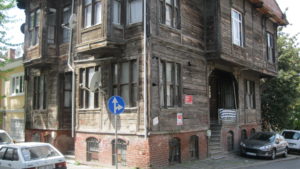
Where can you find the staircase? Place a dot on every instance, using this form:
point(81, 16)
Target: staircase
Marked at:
point(214, 144)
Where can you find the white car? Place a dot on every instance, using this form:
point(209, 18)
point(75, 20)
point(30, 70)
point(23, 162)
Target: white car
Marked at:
point(31, 156)
point(293, 138)
point(5, 138)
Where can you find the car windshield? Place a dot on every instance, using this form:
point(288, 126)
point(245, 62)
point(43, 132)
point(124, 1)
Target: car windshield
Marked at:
point(4, 139)
point(38, 152)
point(263, 137)
point(291, 135)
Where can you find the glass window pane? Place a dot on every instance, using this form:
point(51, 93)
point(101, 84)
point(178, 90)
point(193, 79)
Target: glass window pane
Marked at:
point(98, 13)
point(116, 12)
point(161, 81)
point(135, 11)
point(125, 94)
point(169, 72)
point(169, 15)
point(88, 16)
point(67, 99)
point(124, 72)
point(134, 95)
point(37, 18)
point(87, 2)
point(31, 25)
point(170, 96)
point(91, 72)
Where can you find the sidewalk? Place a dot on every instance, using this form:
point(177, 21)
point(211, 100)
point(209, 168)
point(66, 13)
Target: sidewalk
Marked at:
point(230, 161)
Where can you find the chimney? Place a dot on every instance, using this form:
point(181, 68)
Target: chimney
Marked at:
point(11, 54)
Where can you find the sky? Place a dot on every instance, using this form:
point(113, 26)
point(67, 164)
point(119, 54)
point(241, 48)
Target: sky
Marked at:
point(293, 14)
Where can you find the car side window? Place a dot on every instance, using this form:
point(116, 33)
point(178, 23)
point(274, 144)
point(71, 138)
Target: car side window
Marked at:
point(8, 154)
point(15, 156)
point(2, 152)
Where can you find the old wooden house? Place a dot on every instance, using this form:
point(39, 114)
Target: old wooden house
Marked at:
point(188, 70)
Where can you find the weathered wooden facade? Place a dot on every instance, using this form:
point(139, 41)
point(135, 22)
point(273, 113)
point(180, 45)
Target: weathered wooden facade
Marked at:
point(190, 75)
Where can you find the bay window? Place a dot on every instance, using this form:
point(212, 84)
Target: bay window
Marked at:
point(170, 13)
point(134, 11)
point(237, 27)
point(92, 12)
point(33, 28)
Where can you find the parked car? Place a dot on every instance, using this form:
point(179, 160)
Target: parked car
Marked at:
point(5, 138)
point(293, 139)
point(264, 144)
point(31, 156)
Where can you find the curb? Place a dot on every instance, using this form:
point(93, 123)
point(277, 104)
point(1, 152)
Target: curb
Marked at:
point(265, 162)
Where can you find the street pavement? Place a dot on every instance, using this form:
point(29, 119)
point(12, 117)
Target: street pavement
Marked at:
point(231, 161)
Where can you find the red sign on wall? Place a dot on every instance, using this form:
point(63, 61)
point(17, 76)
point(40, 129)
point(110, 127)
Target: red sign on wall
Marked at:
point(188, 99)
point(179, 119)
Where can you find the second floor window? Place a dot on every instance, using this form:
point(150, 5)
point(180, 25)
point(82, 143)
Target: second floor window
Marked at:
point(134, 11)
point(170, 13)
point(270, 48)
point(249, 94)
point(237, 28)
point(51, 16)
point(65, 21)
point(17, 85)
point(34, 23)
point(88, 100)
point(39, 92)
point(117, 11)
point(92, 12)
point(125, 77)
point(170, 84)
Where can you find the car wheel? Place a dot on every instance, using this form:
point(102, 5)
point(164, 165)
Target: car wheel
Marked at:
point(285, 154)
point(273, 156)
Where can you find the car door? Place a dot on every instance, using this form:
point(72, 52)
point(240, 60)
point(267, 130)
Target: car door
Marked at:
point(10, 159)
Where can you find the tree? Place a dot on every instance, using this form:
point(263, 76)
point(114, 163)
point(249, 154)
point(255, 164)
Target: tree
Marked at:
point(280, 95)
point(5, 5)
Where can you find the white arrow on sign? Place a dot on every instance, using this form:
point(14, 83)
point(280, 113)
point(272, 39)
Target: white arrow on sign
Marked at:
point(116, 105)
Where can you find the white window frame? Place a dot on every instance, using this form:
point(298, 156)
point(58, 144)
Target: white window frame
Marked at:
point(134, 17)
point(237, 28)
point(14, 86)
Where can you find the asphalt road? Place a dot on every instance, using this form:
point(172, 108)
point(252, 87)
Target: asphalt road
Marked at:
point(289, 164)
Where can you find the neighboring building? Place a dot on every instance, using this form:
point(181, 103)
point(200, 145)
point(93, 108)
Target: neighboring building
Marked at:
point(12, 96)
point(192, 87)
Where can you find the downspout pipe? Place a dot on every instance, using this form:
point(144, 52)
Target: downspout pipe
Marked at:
point(70, 65)
point(145, 73)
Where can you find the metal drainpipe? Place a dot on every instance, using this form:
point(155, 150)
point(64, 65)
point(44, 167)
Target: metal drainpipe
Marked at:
point(73, 72)
point(145, 72)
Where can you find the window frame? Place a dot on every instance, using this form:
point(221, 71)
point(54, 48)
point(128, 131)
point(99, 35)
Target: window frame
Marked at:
point(119, 12)
point(33, 26)
point(175, 19)
point(250, 101)
point(90, 151)
point(128, 13)
point(65, 31)
point(93, 14)
point(14, 86)
point(132, 82)
point(176, 83)
point(238, 41)
point(271, 48)
point(39, 92)
point(84, 95)
point(51, 41)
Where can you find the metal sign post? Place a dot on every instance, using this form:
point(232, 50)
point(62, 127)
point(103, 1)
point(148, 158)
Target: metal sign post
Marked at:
point(116, 105)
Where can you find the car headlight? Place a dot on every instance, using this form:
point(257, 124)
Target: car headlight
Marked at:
point(266, 148)
point(242, 144)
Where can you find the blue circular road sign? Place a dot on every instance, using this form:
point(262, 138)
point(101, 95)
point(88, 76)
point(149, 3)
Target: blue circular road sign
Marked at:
point(116, 105)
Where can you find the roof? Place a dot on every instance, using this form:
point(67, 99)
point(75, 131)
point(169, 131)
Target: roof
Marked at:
point(271, 9)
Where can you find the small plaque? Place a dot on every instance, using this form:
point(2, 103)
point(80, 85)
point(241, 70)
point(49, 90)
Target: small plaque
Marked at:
point(188, 99)
point(179, 119)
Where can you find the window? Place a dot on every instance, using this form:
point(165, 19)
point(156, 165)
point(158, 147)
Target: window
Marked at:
point(51, 16)
point(92, 12)
point(39, 92)
point(134, 11)
point(170, 84)
point(120, 153)
point(170, 13)
point(230, 141)
point(252, 132)
point(66, 100)
point(11, 154)
point(92, 149)
point(174, 151)
point(125, 77)
point(17, 85)
point(270, 48)
point(34, 22)
point(237, 27)
point(65, 21)
point(194, 147)
point(88, 100)
point(249, 94)
point(117, 12)
point(243, 135)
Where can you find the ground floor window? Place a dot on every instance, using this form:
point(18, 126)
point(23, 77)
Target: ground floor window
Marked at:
point(230, 141)
point(120, 153)
point(174, 151)
point(243, 134)
point(252, 132)
point(92, 149)
point(194, 147)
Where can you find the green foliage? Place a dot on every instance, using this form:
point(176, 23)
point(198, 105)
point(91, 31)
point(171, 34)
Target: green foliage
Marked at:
point(280, 95)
